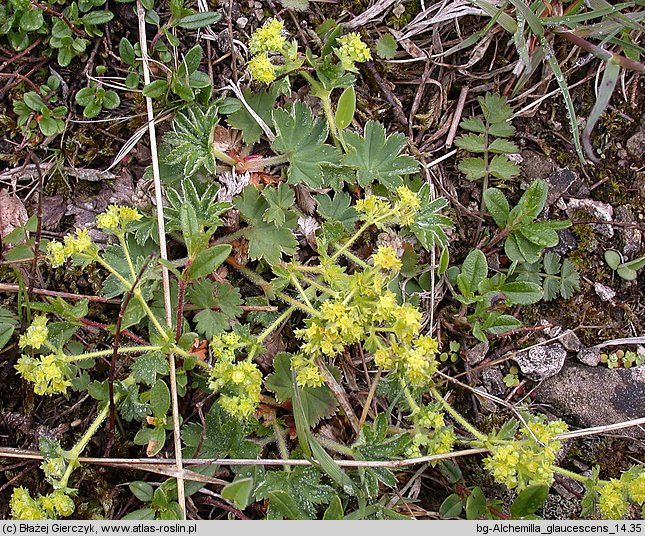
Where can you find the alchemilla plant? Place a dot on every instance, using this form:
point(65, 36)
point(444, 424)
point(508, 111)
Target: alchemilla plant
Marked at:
point(330, 282)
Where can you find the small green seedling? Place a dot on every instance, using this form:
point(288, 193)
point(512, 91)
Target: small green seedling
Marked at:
point(626, 270)
point(33, 112)
point(95, 98)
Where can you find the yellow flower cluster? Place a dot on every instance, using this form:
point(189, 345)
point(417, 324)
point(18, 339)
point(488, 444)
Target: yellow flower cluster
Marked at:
point(239, 383)
point(24, 507)
point(352, 50)
point(526, 462)
point(386, 259)
point(268, 38)
point(403, 212)
point(636, 489)
point(407, 205)
point(117, 217)
point(45, 372)
point(612, 502)
point(337, 326)
point(36, 334)
point(262, 69)
point(307, 373)
point(416, 363)
point(77, 243)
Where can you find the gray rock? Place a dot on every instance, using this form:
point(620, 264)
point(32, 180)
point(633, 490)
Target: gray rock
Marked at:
point(596, 210)
point(566, 244)
point(630, 236)
point(636, 144)
point(559, 184)
point(570, 341)
point(585, 396)
point(476, 354)
point(604, 292)
point(541, 362)
point(493, 381)
point(536, 165)
point(589, 356)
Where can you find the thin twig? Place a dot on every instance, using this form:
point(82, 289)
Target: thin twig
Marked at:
point(165, 278)
point(115, 353)
point(39, 225)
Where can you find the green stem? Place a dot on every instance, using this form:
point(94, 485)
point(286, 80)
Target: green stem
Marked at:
point(575, 476)
point(322, 288)
point(292, 301)
point(105, 353)
point(457, 416)
point(282, 444)
point(356, 260)
point(298, 286)
point(408, 396)
point(335, 446)
point(286, 314)
point(126, 253)
point(219, 155)
point(340, 251)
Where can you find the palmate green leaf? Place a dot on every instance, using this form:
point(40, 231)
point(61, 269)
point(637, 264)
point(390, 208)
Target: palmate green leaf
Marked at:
point(266, 240)
point(338, 209)
point(429, 226)
point(262, 104)
point(280, 200)
point(386, 46)
point(220, 438)
point(377, 157)
point(301, 137)
point(190, 140)
point(318, 402)
point(208, 260)
point(497, 206)
point(297, 494)
point(147, 367)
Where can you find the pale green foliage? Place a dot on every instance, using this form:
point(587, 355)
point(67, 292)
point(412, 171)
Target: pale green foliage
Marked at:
point(488, 137)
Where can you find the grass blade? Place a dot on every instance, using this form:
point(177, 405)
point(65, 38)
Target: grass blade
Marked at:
point(605, 90)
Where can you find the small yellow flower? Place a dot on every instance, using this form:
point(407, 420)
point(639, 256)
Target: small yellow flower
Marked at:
point(352, 50)
point(56, 254)
point(268, 38)
point(80, 242)
point(23, 507)
point(109, 219)
point(636, 489)
point(385, 259)
point(36, 334)
point(612, 502)
point(262, 69)
point(407, 206)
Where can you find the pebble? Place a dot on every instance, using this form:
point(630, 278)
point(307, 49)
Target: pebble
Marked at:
point(604, 292)
point(541, 362)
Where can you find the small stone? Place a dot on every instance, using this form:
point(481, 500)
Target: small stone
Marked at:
point(570, 341)
point(476, 354)
point(636, 144)
point(585, 396)
point(493, 381)
point(596, 210)
point(630, 235)
point(559, 184)
point(604, 292)
point(541, 362)
point(589, 356)
point(242, 22)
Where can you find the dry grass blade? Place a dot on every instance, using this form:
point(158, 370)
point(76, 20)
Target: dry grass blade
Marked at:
point(165, 279)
